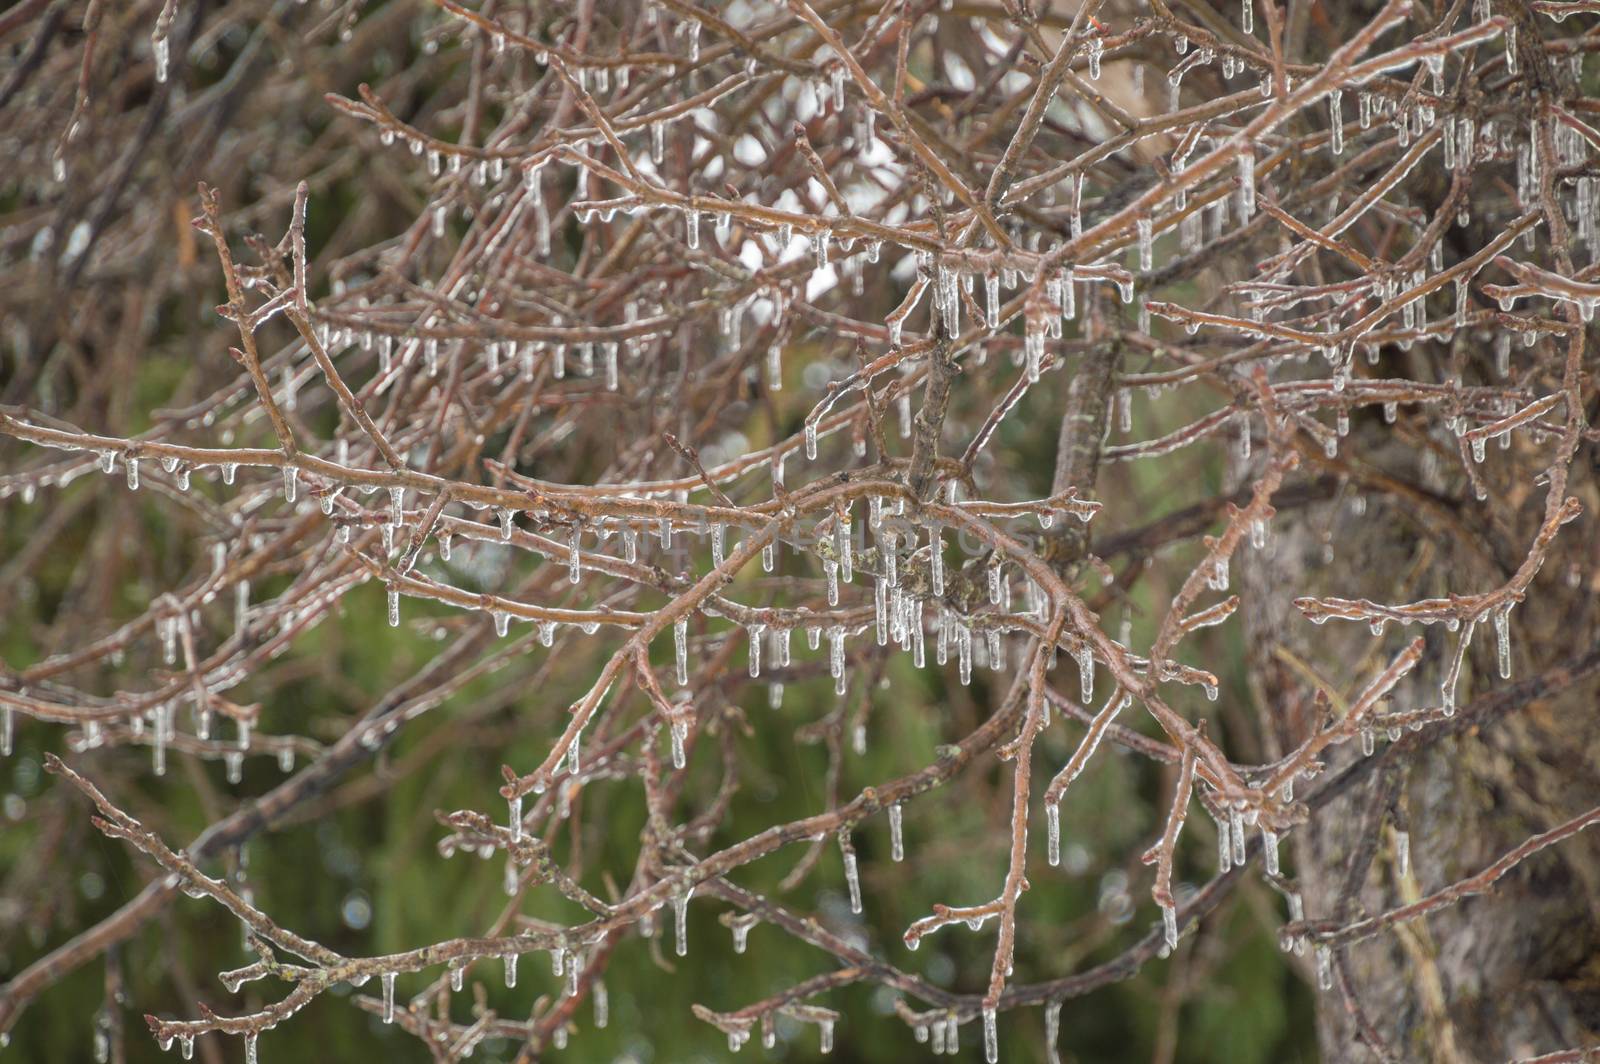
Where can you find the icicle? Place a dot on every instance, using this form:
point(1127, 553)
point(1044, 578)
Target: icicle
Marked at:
point(1269, 849)
point(1511, 49)
point(836, 651)
point(573, 574)
point(457, 976)
point(1335, 121)
point(1502, 635)
point(1146, 252)
point(1052, 1030)
point(825, 1036)
point(1169, 926)
point(511, 970)
point(991, 1036)
point(133, 474)
point(186, 1046)
point(250, 1048)
point(394, 608)
point(1402, 853)
point(680, 914)
point(1052, 815)
point(1247, 16)
point(506, 525)
point(991, 289)
point(1324, 968)
point(1247, 183)
point(7, 731)
point(388, 996)
point(754, 633)
point(680, 734)
point(852, 876)
point(515, 818)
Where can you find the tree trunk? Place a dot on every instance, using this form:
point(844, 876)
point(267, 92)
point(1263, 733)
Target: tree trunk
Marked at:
point(1497, 977)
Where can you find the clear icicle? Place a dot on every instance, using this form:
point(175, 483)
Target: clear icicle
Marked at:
point(291, 482)
point(991, 1035)
point(515, 818)
point(388, 997)
point(1247, 184)
point(394, 608)
point(1052, 1030)
point(1169, 926)
point(1502, 636)
point(511, 969)
point(1052, 816)
point(680, 643)
point(250, 1056)
point(680, 733)
point(852, 874)
point(680, 922)
point(897, 844)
